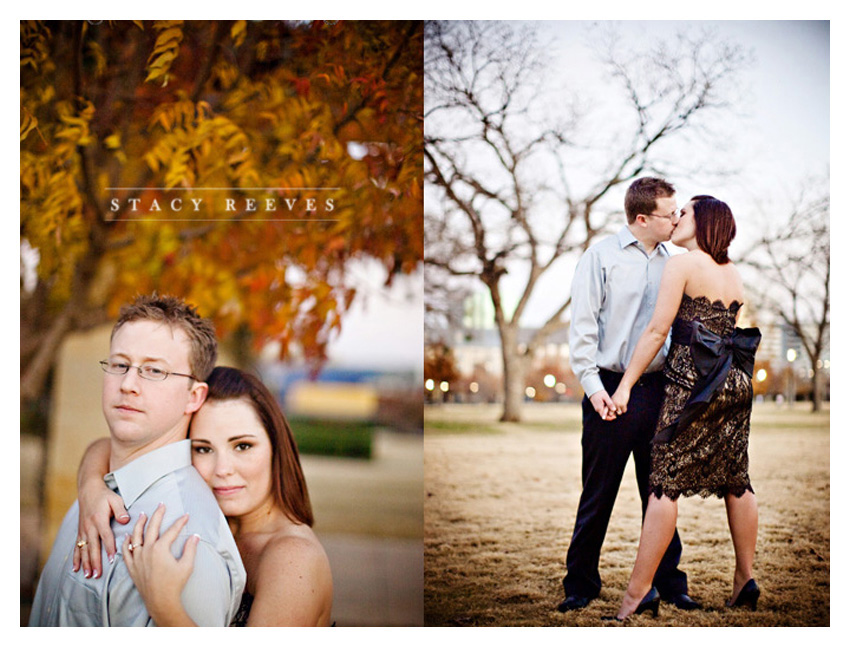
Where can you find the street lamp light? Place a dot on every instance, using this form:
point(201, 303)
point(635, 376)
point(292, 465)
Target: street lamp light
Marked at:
point(429, 386)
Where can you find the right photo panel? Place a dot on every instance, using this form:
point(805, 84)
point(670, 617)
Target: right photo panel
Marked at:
point(627, 323)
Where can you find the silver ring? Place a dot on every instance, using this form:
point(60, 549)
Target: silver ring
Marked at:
point(132, 547)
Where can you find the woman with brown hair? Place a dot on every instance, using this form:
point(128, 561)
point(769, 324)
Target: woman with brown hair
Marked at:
point(244, 449)
point(701, 439)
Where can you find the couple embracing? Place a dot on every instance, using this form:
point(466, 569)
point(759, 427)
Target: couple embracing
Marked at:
point(680, 403)
point(204, 454)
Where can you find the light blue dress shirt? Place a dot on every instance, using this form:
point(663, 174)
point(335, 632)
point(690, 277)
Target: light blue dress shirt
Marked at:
point(614, 291)
point(212, 594)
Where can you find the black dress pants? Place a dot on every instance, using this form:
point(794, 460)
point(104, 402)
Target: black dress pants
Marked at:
point(606, 447)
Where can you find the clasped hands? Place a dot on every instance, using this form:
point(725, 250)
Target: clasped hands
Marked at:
point(609, 407)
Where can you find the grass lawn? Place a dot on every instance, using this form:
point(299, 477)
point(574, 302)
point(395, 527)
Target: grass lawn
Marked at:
point(500, 503)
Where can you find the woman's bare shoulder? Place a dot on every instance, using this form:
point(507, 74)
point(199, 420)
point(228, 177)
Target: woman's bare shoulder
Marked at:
point(297, 548)
point(681, 264)
point(682, 260)
point(293, 586)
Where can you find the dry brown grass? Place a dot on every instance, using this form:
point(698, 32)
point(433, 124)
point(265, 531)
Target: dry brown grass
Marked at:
point(500, 503)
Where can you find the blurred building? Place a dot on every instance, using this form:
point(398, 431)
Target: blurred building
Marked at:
point(477, 352)
point(388, 397)
point(783, 368)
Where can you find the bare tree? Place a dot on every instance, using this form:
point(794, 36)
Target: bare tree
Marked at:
point(793, 265)
point(507, 183)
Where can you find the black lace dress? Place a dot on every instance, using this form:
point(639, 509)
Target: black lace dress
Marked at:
point(701, 447)
point(241, 617)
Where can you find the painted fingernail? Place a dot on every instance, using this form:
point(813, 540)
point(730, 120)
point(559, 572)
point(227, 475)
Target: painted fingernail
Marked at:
point(95, 573)
point(125, 517)
point(111, 558)
point(86, 573)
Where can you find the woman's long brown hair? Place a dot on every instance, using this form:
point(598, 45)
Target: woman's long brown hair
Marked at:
point(715, 227)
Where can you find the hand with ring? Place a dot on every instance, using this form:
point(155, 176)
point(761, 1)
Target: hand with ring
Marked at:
point(620, 399)
point(98, 504)
point(157, 574)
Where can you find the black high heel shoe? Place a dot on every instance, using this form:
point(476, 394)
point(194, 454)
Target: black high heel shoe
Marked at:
point(748, 596)
point(650, 602)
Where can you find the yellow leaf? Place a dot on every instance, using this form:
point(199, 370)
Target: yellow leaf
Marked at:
point(27, 124)
point(164, 59)
point(168, 39)
point(237, 32)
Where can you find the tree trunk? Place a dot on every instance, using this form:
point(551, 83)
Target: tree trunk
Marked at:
point(34, 375)
point(513, 373)
point(817, 396)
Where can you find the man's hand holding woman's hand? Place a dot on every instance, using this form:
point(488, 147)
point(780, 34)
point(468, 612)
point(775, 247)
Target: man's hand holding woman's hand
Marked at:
point(603, 405)
point(609, 407)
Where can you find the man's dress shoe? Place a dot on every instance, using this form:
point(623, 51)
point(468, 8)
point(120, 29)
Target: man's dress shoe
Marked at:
point(573, 602)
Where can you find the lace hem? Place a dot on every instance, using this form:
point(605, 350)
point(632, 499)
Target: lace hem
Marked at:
point(719, 492)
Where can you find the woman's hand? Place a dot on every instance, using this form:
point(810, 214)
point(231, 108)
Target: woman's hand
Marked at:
point(157, 574)
point(620, 400)
point(98, 504)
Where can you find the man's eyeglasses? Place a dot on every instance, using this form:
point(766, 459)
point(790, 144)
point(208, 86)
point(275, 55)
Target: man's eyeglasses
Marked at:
point(672, 217)
point(147, 372)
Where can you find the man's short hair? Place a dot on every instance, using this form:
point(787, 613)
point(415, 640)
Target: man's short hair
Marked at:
point(642, 195)
point(176, 312)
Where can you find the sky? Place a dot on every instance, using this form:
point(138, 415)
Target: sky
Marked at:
point(384, 327)
point(779, 131)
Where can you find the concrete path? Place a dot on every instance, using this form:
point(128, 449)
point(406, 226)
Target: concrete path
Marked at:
point(378, 582)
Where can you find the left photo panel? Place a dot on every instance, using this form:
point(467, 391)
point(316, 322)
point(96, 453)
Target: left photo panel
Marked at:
point(221, 311)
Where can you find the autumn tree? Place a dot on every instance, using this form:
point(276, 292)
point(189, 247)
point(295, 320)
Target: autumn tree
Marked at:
point(240, 164)
point(792, 279)
point(510, 188)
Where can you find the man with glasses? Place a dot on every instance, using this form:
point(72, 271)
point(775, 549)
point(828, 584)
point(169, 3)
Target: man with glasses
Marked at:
point(614, 291)
point(160, 353)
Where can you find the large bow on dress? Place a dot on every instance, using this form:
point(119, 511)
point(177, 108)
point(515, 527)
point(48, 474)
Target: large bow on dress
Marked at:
point(713, 357)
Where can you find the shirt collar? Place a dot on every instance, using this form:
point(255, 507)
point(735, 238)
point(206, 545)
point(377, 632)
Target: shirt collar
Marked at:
point(137, 476)
point(626, 238)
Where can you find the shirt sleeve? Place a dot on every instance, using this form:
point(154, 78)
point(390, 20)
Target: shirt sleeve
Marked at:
point(207, 596)
point(586, 302)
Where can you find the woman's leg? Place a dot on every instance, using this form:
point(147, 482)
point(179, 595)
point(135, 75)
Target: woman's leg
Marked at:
point(655, 535)
point(743, 516)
